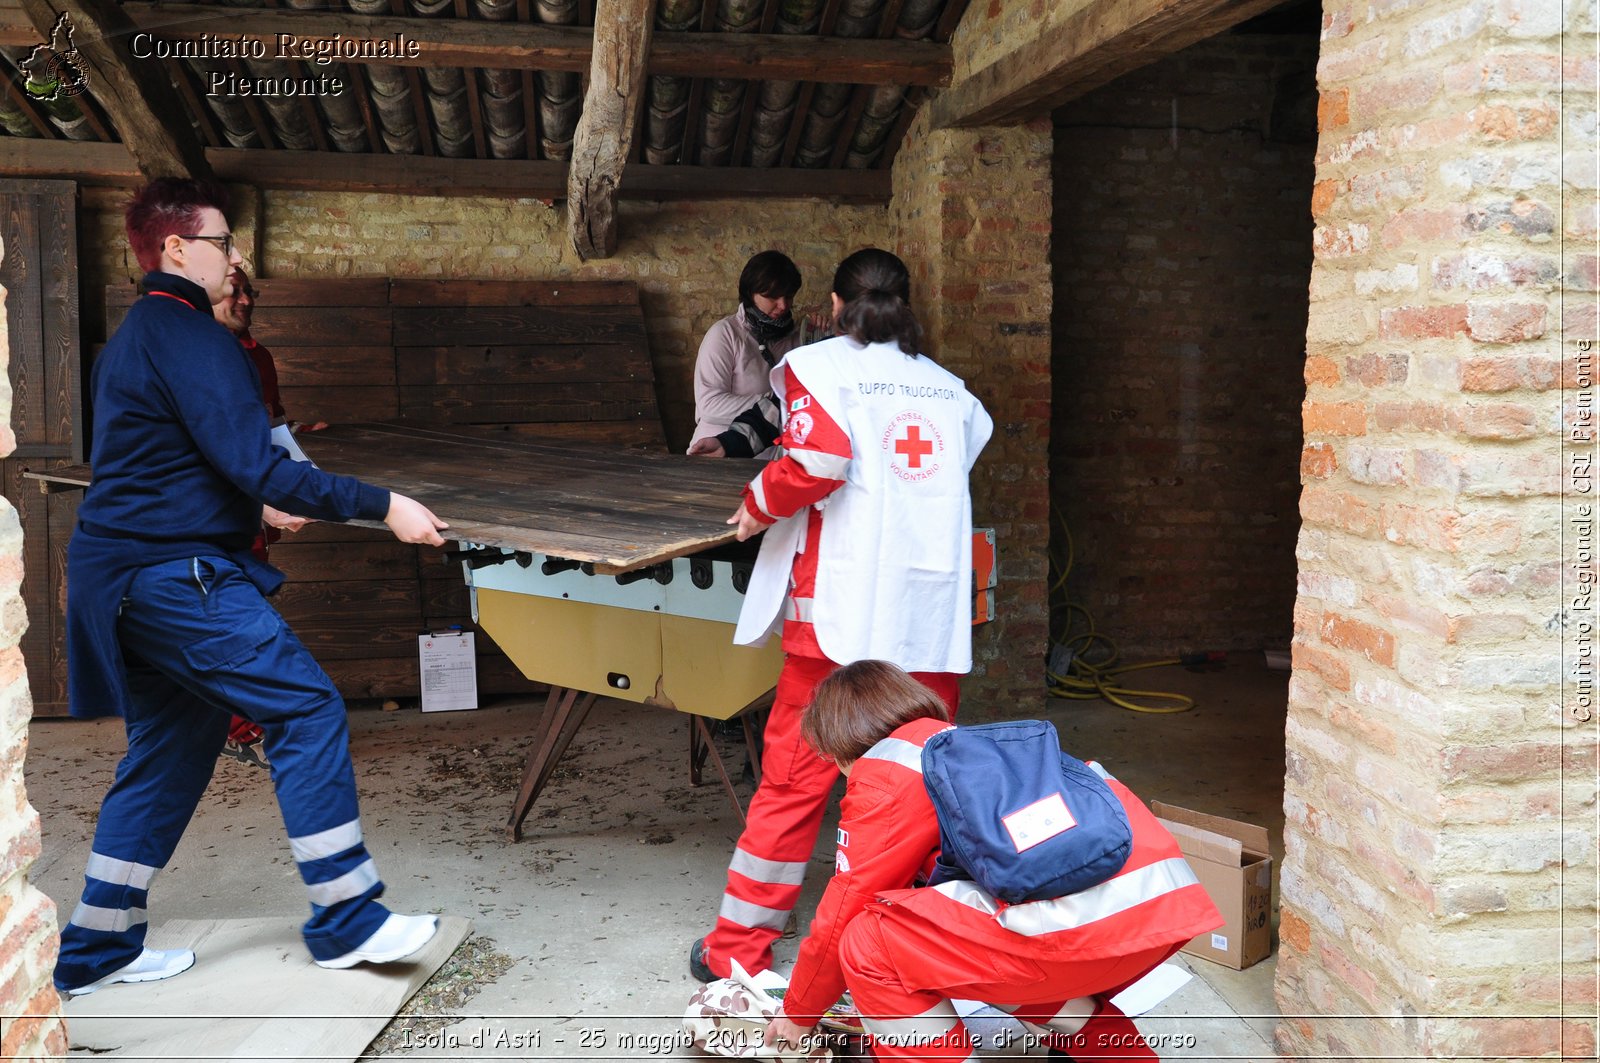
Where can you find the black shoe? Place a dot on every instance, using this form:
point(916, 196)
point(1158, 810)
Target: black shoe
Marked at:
point(698, 968)
point(252, 753)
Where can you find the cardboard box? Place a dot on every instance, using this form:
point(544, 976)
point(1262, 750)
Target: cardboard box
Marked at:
point(1233, 861)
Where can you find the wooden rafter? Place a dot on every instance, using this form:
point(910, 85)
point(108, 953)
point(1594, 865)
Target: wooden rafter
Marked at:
point(1099, 42)
point(535, 46)
point(419, 104)
point(358, 87)
point(847, 128)
point(25, 104)
point(108, 164)
point(135, 95)
point(179, 73)
point(258, 117)
point(605, 130)
point(752, 93)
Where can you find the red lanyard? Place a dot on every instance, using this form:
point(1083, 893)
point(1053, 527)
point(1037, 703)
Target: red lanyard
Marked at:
point(169, 295)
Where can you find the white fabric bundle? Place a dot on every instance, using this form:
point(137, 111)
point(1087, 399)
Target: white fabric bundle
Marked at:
point(728, 1017)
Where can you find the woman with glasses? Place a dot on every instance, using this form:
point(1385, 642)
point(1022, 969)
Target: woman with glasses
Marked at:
point(168, 625)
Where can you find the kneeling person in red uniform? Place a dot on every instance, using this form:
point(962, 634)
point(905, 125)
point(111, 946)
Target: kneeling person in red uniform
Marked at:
point(905, 953)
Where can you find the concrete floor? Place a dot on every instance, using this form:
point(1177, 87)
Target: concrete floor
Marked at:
point(622, 863)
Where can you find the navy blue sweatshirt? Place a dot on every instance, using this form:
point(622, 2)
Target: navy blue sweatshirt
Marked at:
point(182, 462)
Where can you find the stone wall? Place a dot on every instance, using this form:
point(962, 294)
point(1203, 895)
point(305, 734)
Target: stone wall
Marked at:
point(1181, 260)
point(1438, 893)
point(971, 212)
point(30, 1011)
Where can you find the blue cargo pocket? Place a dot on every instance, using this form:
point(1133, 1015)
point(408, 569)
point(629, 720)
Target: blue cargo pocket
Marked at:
point(226, 652)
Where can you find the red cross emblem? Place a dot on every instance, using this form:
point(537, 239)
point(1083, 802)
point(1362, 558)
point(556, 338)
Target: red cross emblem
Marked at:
point(914, 447)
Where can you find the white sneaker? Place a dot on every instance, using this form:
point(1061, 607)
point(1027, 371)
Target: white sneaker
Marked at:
point(152, 965)
point(398, 937)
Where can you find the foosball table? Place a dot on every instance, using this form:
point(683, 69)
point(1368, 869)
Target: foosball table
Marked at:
point(597, 570)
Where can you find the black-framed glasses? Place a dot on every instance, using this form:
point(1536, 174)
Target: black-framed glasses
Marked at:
point(225, 241)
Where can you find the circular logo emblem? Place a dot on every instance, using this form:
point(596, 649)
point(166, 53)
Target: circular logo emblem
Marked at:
point(800, 426)
point(914, 446)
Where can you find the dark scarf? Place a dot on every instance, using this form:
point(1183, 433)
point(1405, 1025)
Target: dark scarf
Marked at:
point(767, 330)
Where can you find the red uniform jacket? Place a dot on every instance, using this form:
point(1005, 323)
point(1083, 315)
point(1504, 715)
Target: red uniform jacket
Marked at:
point(889, 835)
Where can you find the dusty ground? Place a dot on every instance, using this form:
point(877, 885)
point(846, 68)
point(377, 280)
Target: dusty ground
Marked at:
point(583, 927)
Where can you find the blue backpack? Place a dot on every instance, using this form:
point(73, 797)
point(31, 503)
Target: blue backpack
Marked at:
point(1018, 816)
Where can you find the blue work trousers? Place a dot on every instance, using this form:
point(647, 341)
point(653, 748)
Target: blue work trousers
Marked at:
point(200, 642)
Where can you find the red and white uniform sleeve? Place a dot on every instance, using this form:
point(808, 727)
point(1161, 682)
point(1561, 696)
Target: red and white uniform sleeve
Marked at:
point(888, 833)
point(816, 454)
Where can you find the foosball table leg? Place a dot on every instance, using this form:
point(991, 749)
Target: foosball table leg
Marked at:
point(564, 712)
point(701, 745)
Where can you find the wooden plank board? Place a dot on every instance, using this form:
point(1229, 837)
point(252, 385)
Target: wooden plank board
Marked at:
point(404, 292)
point(526, 363)
point(335, 365)
point(488, 403)
point(448, 326)
point(294, 291)
point(621, 509)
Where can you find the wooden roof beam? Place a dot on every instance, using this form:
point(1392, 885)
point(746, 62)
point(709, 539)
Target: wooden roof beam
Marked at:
point(1099, 43)
point(600, 144)
point(136, 96)
point(533, 46)
point(108, 164)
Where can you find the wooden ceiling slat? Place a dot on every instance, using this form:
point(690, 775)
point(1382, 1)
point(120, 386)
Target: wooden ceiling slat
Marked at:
point(258, 120)
point(752, 92)
point(98, 120)
point(949, 19)
point(902, 122)
point(691, 122)
point(802, 108)
point(179, 72)
point(697, 91)
point(314, 119)
point(419, 104)
point(530, 101)
point(480, 147)
point(358, 87)
point(847, 128)
point(891, 15)
point(109, 164)
point(24, 103)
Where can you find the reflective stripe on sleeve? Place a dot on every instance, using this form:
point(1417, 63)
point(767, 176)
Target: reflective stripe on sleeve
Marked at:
point(1077, 910)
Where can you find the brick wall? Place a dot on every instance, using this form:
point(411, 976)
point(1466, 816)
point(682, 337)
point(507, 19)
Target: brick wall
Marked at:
point(1180, 265)
point(685, 257)
point(1440, 791)
point(30, 1011)
point(971, 212)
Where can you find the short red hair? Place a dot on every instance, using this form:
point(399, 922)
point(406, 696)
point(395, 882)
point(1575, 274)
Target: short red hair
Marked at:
point(165, 207)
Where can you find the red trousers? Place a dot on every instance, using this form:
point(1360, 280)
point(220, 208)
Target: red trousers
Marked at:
point(903, 972)
point(780, 831)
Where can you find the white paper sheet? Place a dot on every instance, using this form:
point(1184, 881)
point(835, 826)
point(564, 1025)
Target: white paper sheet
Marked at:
point(449, 663)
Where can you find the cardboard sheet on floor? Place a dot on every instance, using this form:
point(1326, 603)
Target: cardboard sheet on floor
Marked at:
point(253, 994)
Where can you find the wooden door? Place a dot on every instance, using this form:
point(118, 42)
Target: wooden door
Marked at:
point(38, 223)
